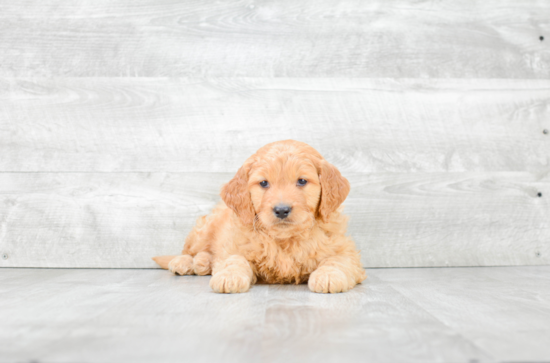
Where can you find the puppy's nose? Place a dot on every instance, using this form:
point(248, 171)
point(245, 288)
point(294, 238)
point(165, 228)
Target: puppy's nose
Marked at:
point(282, 211)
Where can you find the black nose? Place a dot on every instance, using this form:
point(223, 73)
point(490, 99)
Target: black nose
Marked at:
point(282, 211)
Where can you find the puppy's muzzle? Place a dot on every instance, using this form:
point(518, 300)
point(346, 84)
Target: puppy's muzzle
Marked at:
point(282, 211)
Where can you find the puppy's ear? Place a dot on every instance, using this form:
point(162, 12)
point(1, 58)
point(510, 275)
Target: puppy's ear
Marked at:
point(334, 189)
point(236, 195)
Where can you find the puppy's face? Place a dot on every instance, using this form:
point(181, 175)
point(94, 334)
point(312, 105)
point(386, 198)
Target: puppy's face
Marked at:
point(284, 188)
point(285, 192)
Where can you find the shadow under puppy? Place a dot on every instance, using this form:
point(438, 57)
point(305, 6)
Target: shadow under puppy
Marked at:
point(280, 222)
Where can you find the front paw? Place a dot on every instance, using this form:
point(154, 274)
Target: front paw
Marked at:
point(230, 281)
point(328, 279)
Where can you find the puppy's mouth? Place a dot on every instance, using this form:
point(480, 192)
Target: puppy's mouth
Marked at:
point(288, 223)
point(284, 223)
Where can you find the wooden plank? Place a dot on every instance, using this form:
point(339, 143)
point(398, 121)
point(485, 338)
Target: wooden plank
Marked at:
point(497, 309)
point(489, 39)
point(188, 125)
point(99, 220)
point(91, 315)
point(371, 323)
point(396, 315)
point(451, 219)
point(397, 220)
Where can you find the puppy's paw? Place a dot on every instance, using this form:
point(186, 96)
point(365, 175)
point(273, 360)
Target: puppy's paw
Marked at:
point(327, 279)
point(230, 281)
point(181, 265)
point(202, 263)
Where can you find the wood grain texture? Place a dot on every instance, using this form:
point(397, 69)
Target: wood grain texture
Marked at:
point(397, 315)
point(120, 120)
point(397, 220)
point(193, 125)
point(371, 323)
point(398, 38)
point(127, 316)
point(489, 303)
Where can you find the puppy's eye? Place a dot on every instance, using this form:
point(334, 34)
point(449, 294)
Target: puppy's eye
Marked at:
point(264, 183)
point(302, 182)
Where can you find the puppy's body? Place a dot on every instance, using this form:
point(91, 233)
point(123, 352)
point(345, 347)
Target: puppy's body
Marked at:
point(246, 238)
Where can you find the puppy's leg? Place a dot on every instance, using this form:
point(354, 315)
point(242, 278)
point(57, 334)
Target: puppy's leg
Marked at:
point(202, 263)
point(232, 275)
point(337, 274)
point(182, 265)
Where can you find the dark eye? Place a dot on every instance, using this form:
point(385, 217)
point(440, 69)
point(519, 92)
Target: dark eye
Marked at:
point(264, 183)
point(302, 182)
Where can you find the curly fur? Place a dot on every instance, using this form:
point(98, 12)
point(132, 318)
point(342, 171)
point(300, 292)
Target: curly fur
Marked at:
point(242, 242)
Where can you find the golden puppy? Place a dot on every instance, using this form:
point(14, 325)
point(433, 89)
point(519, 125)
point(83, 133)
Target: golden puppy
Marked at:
point(280, 223)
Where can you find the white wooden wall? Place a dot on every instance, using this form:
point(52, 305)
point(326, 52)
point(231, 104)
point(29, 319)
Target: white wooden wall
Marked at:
point(120, 120)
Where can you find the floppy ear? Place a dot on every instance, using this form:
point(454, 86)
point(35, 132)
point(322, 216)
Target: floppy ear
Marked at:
point(236, 196)
point(334, 189)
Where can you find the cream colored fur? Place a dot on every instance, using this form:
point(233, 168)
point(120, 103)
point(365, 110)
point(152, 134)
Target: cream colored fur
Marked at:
point(242, 241)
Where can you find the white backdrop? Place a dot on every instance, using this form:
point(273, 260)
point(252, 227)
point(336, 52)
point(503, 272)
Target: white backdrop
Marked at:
point(120, 120)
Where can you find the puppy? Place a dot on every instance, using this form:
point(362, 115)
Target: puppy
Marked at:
point(280, 222)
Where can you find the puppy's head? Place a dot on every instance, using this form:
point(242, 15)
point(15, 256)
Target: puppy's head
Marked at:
point(284, 187)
